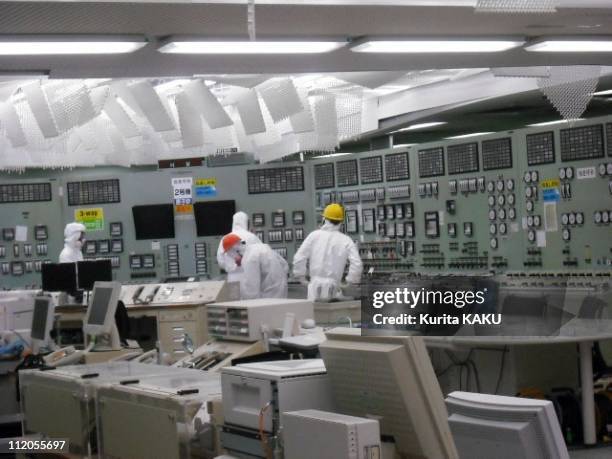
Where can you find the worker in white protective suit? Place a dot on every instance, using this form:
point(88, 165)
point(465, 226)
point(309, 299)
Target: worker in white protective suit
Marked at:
point(240, 226)
point(327, 251)
point(264, 272)
point(74, 238)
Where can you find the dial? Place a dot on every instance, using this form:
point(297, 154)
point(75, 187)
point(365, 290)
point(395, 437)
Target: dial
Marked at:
point(491, 187)
point(537, 221)
point(567, 235)
point(500, 185)
point(511, 199)
point(610, 215)
point(510, 184)
point(564, 219)
point(580, 218)
point(534, 176)
point(492, 214)
point(501, 200)
point(491, 201)
point(597, 217)
point(528, 192)
point(529, 206)
point(562, 173)
point(502, 228)
point(527, 177)
point(494, 243)
point(511, 213)
point(531, 235)
point(569, 173)
point(501, 214)
point(493, 228)
point(609, 168)
point(602, 169)
point(572, 218)
point(605, 217)
point(530, 221)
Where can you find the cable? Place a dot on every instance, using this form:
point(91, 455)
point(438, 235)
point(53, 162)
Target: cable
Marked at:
point(501, 369)
point(262, 434)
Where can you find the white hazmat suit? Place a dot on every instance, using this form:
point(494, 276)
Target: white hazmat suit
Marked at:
point(240, 226)
point(327, 250)
point(72, 243)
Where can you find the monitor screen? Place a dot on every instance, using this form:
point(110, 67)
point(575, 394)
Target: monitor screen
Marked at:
point(99, 305)
point(154, 221)
point(90, 272)
point(59, 277)
point(214, 218)
point(39, 318)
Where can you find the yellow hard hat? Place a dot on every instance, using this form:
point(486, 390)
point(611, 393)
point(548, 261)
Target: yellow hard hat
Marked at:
point(334, 212)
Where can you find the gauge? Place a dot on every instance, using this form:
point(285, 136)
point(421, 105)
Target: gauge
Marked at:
point(501, 214)
point(528, 192)
point(597, 217)
point(537, 221)
point(491, 201)
point(529, 206)
point(511, 213)
point(534, 176)
point(531, 235)
point(564, 219)
point(610, 215)
point(493, 243)
point(492, 214)
point(501, 200)
point(493, 228)
point(566, 234)
point(511, 199)
point(569, 173)
point(500, 185)
point(502, 228)
point(609, 168)
point(527, 177)
point(572, 218)
point(490, 187)
point(510, 184)
point(562, 173)
point(534, 192)
point(605, 217)
point(602, 169)
point(580, 218)
point(530, 221)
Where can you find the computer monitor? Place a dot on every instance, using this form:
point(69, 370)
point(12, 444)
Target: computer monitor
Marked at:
point(154, 221)
point(92, 271)
point(391, 379)
point(100, 316)
point(486, 425)
point(214, 218)
point(59, 277)
point(42, 322)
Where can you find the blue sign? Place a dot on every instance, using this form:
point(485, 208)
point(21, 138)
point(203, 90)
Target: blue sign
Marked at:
point(551, 195)
point(206, 191)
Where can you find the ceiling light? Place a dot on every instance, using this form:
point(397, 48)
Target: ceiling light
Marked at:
point(435, 46)
point(194, 46)
point(414, 127)
point(465, 136)
point(550, 123)
point(572, 45)
point(603, 93)
point(29, 45)
point(332, 155)
point(402, 145)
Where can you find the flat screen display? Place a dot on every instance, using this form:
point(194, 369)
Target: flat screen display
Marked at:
point(59, 277)
point(39, 319)
point(90, 272)
point(214, 218)
point(99, 305)
point(154, 221)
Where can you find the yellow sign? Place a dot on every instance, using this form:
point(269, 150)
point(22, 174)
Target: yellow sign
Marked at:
point(184, 208)
point(93, 218)
point(206, 182)
point(551, 183)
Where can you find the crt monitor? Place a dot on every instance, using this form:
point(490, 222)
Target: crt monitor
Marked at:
point(92, 271)
point(59, 277)
point(154, 221)
point(390, 378)
point(42, 322)
point(214, 218)
point(100, 317)
point(502, 427)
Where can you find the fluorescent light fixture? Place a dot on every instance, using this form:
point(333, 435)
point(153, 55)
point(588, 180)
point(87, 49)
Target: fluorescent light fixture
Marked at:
point(551, 123)
point(572, 45)
point(448, 45)
point(603, 93)
point(404, 145)
point(201, 46)
point(414, 127)
point(332, 155)
point(465, 136)
point(31, 45)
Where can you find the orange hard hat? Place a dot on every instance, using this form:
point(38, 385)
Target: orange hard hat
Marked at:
point(230, 240)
